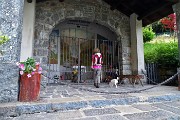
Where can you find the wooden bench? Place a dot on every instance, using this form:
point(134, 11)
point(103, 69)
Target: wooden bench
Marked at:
point(133, 79)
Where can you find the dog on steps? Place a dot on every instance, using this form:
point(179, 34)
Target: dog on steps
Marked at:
point(114, 82)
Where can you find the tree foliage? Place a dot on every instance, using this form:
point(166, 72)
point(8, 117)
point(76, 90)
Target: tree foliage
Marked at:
point(169, 22)
point(148, 33)
point(158, 27)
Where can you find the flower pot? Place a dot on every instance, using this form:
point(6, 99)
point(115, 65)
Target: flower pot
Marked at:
point(29, 87)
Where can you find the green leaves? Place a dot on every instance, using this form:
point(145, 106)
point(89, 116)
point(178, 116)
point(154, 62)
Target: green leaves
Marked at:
point(148, 34)
point(29, 65)
point(3, 39)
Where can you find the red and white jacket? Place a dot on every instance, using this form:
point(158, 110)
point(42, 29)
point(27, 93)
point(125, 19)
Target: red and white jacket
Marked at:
point(96, 61)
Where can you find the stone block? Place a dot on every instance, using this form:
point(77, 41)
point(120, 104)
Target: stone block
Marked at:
point(149, 115)
point(69, 106)
point(112, 117)
point(102, 111)
point(8, 111)
point(126, 67)
point(126, 49)
point(127, 72)
point(30, 109)
point(127, 109)
point(68, 115)
point(144, 107)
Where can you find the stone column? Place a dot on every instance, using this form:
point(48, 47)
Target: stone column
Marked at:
point(28, 30)
point(137, 48)
point(11, 12)
point(176, 9)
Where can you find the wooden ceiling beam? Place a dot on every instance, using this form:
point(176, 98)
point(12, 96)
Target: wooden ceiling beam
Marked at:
point(128, 8)
point(153, 10)
point(145, 21)
point(114, 6)
point(173, 1)
point(118, 7)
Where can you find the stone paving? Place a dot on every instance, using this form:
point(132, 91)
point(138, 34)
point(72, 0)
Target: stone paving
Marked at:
point(85, 102)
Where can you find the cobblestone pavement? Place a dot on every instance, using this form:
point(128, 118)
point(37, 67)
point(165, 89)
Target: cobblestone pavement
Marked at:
point(85, 102)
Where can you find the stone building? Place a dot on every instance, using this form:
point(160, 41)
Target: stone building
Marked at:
point(61, 33)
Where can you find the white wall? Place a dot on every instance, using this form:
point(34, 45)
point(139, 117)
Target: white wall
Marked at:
point(137, 46)
point(28, 30)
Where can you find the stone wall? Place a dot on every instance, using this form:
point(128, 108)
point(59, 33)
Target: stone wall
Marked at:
point(11, 25)
point(52, 12)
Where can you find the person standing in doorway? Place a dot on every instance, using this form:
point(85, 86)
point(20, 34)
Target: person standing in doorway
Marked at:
point(96, 66)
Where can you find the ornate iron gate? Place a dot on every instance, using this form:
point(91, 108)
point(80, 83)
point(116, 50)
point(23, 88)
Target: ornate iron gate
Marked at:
point(70, 57)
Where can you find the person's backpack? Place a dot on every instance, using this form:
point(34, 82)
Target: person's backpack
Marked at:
point(97, 60)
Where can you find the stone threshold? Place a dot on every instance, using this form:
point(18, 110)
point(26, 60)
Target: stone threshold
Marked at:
point(19, 108)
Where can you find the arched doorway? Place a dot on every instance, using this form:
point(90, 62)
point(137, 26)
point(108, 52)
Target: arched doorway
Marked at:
point(51, 14)
point(70, 49)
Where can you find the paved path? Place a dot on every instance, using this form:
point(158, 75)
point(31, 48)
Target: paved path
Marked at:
point(62, 102)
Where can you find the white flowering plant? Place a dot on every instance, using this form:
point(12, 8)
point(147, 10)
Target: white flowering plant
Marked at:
point(29, 66)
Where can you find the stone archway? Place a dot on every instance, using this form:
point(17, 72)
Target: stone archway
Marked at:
point(50, 13)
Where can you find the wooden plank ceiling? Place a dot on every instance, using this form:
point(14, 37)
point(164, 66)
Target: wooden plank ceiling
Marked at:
point(148, 11)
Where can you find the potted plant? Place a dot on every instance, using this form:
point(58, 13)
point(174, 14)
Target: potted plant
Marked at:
point(30, 78)
point(74, 75)
point(3, 39)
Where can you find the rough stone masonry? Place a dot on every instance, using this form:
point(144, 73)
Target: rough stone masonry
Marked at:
point(11, 12)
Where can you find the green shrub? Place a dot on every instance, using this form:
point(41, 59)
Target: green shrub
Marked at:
point(150, 53)
point(165, 54)
point(168, 54)
point(148, 34)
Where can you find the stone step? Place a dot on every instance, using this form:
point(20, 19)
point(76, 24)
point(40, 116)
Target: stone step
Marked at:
point(53, 105)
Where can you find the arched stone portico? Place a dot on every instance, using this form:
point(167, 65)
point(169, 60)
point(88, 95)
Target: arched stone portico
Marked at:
point(11, 14)
point(51, 13)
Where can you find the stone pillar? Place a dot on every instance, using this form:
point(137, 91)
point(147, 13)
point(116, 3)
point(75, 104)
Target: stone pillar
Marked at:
point(176, 9)
point(11, 12)
point(137, 48)
point(28, 30)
